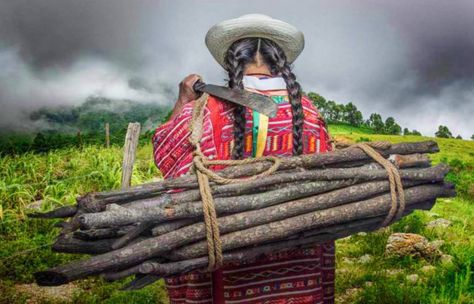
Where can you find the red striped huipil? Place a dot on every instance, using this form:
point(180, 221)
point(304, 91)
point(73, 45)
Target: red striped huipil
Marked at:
point(298, 276)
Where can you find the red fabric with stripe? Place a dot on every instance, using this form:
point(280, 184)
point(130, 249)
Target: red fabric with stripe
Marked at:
point(296, 276)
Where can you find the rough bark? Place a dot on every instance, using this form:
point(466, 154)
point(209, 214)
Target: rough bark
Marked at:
point(101, 233)
point(131, 235)
point(61, 212)
point(171, 226)
point(235, 189)
point(313, 237)
point(117, 215)
point(155, 246)
point(69, 244)
point(345, 213)
point(96, 201)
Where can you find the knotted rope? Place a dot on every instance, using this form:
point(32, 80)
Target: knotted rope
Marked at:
point(397, 195)
point(204, 175)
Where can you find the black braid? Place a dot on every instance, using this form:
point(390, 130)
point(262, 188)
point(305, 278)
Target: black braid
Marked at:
point(241, 53)
point(235, 62)
point(275, 56)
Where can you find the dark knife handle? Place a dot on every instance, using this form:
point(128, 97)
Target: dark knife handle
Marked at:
point(198, 86)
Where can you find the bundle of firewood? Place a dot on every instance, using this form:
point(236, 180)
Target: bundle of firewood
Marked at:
point(156, 230)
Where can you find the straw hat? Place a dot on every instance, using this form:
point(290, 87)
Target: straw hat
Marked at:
point(221, 36)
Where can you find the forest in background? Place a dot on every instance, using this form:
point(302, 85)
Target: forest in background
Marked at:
point(76, 126)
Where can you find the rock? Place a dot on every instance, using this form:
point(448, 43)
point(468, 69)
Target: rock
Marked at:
point(394, 272)
point(40, 294)
point(348, 296)
point(412, 278)
point(410, 244)
point(366, 258)
point(437, 243)
point(439, 223)
point(428, 269)
point(369, 283)
point(36, 205)
point(446, 259)
point(362, 233)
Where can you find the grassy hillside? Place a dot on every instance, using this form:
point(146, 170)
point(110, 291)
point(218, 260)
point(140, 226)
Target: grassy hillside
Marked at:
point(58, 177)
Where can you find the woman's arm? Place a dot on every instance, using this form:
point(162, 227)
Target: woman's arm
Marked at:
point(172, 150)
point(186, 94)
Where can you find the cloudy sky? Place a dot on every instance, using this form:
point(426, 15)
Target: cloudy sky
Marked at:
point(411, 59)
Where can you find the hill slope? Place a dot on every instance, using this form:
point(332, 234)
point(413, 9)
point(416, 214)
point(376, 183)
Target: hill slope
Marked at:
point(57, 177)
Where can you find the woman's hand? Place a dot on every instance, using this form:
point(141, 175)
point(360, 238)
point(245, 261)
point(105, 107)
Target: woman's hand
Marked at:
point(186, 93)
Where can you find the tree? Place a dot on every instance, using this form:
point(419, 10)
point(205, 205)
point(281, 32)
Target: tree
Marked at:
point(391, 127)
point(375, 122)
point(443, 132)
point(406, 131)
point(459, 137)
point(352, 115)
point(40, 143)
point(415, 132)
point(472, 137)
point(318, 100)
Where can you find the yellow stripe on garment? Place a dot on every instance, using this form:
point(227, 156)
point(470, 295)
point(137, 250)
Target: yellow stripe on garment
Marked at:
point(262, 135)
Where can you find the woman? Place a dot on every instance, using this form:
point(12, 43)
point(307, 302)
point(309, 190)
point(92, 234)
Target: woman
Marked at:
point(256, 51)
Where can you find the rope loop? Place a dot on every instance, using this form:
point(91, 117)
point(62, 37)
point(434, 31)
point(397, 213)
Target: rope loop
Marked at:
point(397, 194)
point(204, 174)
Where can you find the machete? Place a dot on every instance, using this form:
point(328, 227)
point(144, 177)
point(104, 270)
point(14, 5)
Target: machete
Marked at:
point(258, 102)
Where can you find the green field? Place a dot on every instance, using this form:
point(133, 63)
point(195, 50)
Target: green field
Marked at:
point(58, 177)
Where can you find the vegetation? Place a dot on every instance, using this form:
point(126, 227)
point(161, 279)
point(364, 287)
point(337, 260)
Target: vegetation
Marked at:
point(336, 113)
point(55, 165)
point(443, 132)
point(84, 125)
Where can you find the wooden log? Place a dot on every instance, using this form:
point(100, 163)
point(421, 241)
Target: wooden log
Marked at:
point(140, 281)
point(248, 219)
point(117, 216)
point(98, 200)
point(101, 233)
point(155, 246)
point(171, 226)
point(236, 189)
point(123, 216)
point(313, 237)
point(412, 160)
point(61, 212)
point(69, 244)
point(89, 204)
point(131, 235)
point(130, 146)
point(355, 211)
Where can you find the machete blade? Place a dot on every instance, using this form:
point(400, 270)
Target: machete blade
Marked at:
point(258, 102)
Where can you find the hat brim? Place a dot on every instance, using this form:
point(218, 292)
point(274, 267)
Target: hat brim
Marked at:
point(221, 36)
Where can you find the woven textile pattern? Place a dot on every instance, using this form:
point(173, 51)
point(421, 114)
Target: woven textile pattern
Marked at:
point(298, 276)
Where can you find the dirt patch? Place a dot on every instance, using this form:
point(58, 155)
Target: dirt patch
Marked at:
point(37, 294)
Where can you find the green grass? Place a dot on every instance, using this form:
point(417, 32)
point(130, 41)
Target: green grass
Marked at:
point(59, 177)
point(450, 283)
point(348, 129)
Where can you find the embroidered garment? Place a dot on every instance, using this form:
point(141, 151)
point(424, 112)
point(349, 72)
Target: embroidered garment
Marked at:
point(300, 276)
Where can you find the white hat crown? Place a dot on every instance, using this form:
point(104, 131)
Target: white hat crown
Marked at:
point(221, 36)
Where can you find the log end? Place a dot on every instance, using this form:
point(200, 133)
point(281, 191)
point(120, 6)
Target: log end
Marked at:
point(50, 278)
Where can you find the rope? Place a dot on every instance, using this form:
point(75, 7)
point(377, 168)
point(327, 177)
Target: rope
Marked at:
point(396, 188)
point(204, 175)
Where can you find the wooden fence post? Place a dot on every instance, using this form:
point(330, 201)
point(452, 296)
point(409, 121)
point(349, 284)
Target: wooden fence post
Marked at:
point(130, 146)
point(107, 135)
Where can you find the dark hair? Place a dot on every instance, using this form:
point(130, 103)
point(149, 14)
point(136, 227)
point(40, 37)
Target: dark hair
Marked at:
point(245, 51)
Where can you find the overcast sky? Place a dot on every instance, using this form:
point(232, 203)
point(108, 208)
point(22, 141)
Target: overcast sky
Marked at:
point(409, 59)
